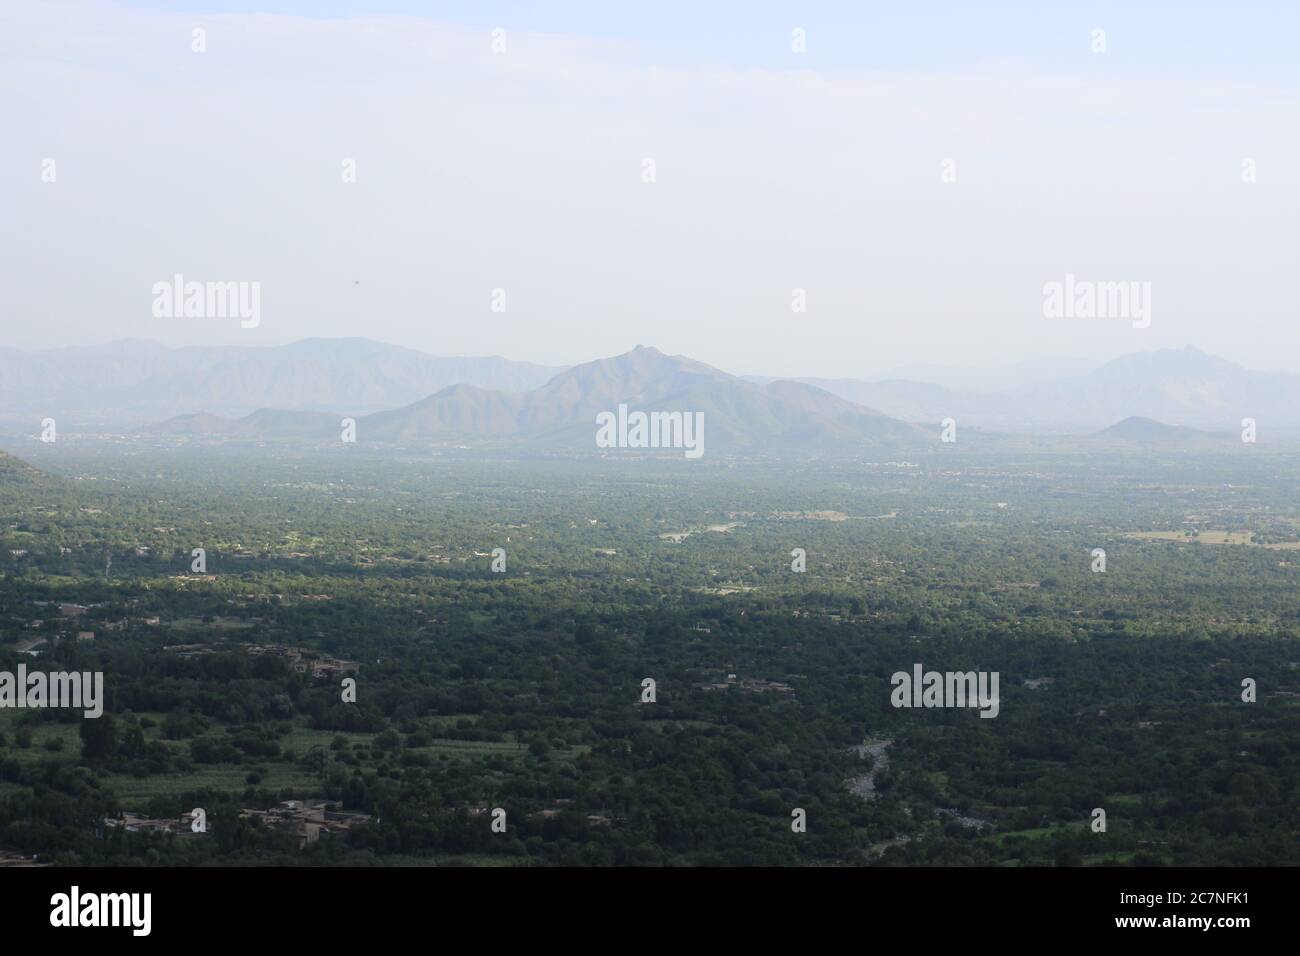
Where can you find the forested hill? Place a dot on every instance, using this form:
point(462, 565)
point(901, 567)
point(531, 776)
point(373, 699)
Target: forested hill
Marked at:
point(15, 470)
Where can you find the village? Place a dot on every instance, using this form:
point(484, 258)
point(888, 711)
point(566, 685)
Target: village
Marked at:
point(64, 627)
point(750, 685)
point(307, 819)
point(301, 660)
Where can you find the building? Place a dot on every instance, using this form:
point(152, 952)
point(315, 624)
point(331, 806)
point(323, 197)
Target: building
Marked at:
point(134, 823)
point(308, 819)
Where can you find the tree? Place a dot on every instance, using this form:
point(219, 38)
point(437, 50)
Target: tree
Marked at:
point(98, 739)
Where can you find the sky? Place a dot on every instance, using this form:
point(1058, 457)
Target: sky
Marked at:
point(914, 176)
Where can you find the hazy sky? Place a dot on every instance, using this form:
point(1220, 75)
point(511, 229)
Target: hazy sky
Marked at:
point(774, 170)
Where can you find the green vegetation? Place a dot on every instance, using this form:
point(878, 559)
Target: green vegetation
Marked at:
point(521, 690)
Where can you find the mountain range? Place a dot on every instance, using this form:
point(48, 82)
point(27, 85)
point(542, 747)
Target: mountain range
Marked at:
point(131, 383)
point(563, 412)
point(1174, 386)
point(396, 394)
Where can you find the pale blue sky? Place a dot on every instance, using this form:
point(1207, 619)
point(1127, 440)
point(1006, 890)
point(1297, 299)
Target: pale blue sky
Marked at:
point(1242, 39)
point(775, 172)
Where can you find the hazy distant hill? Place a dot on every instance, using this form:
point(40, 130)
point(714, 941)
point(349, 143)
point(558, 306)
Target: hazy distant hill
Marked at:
point(575, 396)
point(916, 385)
point(407, 395)
point(1178, 386)
point(16, 471)
point(461, 410)
point(265, 423)
point(994, 378)
point(911, 401)
point(737, 414)
point(1147, 431)
point(562, 413)
point(1138, 428)
point(1183, 386)
point(133, 382)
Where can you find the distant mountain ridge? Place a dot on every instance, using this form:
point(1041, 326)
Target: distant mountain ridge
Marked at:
point(265, 423)
point(406, 394)
point(946, 378)
point(142, 381)
point(1148, 431)
point(562, 412)
point(1178, 386)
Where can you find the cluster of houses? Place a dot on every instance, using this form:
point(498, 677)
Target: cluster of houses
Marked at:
point(10, 858)
point(308, 819)
point(62, 627)
point(750, 685)
point(34, 646)
point(560, 806)
point(301, 660)
point(134, 823)
point(557, 807)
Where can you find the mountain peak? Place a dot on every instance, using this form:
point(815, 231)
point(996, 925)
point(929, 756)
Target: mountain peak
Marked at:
point(1140, 428)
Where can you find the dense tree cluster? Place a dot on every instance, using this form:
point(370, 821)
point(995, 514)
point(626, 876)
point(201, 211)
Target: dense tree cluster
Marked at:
point(522, 690)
